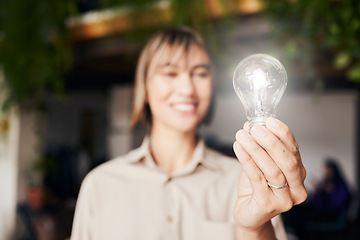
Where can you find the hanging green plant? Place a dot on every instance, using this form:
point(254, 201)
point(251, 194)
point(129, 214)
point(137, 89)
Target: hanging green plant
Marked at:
point(331, 26)
point(35, 49)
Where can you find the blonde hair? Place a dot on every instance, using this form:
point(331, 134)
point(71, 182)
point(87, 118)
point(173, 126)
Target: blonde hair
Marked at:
point(170, 43)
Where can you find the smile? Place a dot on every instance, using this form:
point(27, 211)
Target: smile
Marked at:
point(184, 107)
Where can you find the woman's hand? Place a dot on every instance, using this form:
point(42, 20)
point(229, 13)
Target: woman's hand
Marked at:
point(272, 180)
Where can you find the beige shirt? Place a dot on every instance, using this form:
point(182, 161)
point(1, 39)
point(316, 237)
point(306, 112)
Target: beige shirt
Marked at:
point(130, 197)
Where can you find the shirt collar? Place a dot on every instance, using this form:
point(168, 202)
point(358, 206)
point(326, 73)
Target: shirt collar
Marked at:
point(200, 157)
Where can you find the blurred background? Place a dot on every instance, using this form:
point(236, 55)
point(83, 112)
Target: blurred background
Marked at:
point(67, 76)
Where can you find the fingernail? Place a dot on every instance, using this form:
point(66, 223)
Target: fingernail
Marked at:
point(238, 146)
point(258, 131)
point(273, 122)
point(244, 135)
point(247, 126)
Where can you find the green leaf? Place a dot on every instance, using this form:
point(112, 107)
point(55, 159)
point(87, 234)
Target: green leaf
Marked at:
point(354, 73)
point(342, 60)
point(292, 49)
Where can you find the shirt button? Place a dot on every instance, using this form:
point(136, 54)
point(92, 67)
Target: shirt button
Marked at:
point(169, 219)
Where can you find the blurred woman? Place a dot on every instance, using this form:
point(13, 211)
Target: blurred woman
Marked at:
point(330, 200)
point(173, 186)
point(332, 194)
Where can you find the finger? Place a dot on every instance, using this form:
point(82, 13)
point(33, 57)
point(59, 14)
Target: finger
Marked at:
point(289, 163)
point(246, 126)
point(256, 177)
point(261, 158)
point(277, 150)
point(283, 133)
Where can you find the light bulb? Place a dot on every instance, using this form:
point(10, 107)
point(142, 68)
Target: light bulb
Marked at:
point(260, 81)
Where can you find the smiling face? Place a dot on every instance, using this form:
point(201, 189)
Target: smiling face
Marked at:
point(179, 89)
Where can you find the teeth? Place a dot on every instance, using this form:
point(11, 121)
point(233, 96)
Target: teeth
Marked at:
point(184, 107)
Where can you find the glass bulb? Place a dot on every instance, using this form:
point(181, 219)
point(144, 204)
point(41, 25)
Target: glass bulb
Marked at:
point(260, 81)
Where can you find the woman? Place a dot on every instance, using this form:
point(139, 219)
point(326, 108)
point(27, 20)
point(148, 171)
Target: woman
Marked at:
point(332, 194)
point(173, 187)
point(330, 201)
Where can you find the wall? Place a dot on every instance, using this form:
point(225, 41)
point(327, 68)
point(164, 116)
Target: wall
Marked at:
point(324, 125)
point(18, 151)
point(8, 176)
point(120, 136)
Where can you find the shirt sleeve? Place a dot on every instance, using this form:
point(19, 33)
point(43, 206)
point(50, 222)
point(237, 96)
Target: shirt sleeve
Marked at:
point(279, 228)
point(83, 217)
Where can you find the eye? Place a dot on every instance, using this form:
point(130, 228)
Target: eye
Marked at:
point(170, 74)
point(201, 74)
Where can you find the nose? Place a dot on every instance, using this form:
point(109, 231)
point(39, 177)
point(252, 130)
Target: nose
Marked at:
point(186, 85)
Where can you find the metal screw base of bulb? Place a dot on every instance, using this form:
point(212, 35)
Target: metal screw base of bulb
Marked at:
point(253, 123)
point(257, 121)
